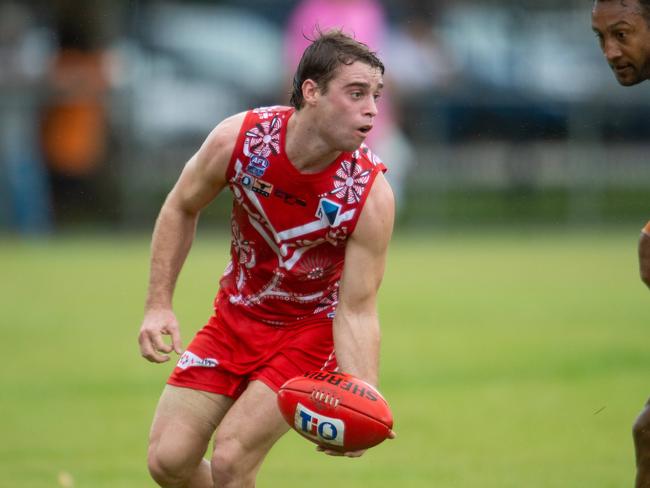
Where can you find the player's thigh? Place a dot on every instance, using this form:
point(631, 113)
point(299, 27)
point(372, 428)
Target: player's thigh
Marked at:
point(250, 428)
point(183, 424)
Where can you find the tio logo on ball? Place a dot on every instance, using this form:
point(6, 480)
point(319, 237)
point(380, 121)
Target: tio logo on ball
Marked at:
point(322, 429)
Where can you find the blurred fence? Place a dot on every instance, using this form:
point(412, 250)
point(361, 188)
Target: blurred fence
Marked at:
point(527, 125)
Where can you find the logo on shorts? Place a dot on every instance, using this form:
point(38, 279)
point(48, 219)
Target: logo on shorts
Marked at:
point(326, 430)
point(189, 360)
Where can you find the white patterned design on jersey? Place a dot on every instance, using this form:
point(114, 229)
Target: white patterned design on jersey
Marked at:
point(272, 289)
point(350, 182)
point(245, 254)
point(314, 266)
point(330, 301)
point(263, 139)
point(267, 112)
point(372, 157)
point(244, 247)
point(288, 252)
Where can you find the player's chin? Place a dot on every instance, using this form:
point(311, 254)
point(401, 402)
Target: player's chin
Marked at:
point(629, 82)
point(628, 77)
point(352, 142)
point(352, 145)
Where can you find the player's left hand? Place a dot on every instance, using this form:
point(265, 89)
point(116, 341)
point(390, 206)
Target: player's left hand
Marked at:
point(351, 454)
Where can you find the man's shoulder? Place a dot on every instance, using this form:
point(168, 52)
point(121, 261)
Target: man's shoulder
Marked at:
point(228, 127)
point(226, 132)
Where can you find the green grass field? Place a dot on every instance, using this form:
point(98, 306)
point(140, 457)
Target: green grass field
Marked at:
point(509, 360)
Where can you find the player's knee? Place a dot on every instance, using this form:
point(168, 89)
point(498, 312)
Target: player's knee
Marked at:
point(165, 468)
point(229, 466)
point(641, 431)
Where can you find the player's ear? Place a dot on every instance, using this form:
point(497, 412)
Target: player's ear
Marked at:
point(310, 91)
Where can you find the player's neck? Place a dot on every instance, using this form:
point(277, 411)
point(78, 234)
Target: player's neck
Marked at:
point(305, 147)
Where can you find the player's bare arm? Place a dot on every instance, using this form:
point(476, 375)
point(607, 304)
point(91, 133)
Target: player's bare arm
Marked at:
point(356, 324)
point(644, 254)
point(357, 334)
point(201, 180)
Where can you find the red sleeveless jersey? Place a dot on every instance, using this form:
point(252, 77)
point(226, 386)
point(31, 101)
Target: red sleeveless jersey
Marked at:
point(289, 229)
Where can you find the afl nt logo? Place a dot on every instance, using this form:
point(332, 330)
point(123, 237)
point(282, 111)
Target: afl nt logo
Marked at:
point(328, 211)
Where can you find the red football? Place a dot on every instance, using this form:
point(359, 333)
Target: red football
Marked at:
point(335, 410)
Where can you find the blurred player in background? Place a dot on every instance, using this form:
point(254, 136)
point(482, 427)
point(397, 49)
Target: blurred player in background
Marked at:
point(623, 30)
point(311, 222)
point(75, 117)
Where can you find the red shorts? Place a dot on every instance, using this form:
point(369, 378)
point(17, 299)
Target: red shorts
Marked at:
point(224, 357)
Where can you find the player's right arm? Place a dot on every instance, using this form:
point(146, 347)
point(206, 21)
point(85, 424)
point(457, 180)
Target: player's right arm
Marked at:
point(644, 254)
point(201, 180)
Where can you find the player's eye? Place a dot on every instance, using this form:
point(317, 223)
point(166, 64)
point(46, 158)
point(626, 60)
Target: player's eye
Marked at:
point(600, 38)
point(356, 95)
point(621, 36)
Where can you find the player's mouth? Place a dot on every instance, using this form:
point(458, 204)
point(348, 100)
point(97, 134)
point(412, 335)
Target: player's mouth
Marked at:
point(621, 69)
point(364, 129)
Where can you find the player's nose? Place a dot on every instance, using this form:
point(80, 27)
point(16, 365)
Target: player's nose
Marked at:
point(371, 107)
point(612, 51)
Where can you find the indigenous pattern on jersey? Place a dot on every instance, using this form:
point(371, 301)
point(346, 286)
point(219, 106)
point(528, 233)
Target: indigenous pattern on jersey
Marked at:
point(289, 229)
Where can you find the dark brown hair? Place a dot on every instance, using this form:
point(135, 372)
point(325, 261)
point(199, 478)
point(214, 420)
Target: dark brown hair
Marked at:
point(322, 58)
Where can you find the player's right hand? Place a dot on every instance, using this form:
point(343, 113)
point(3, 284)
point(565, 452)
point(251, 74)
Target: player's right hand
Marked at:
point(156, 324)
point(351, 454)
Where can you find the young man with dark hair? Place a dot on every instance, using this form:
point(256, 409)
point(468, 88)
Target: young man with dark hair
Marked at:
point(311, 222)
point(623, 30)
